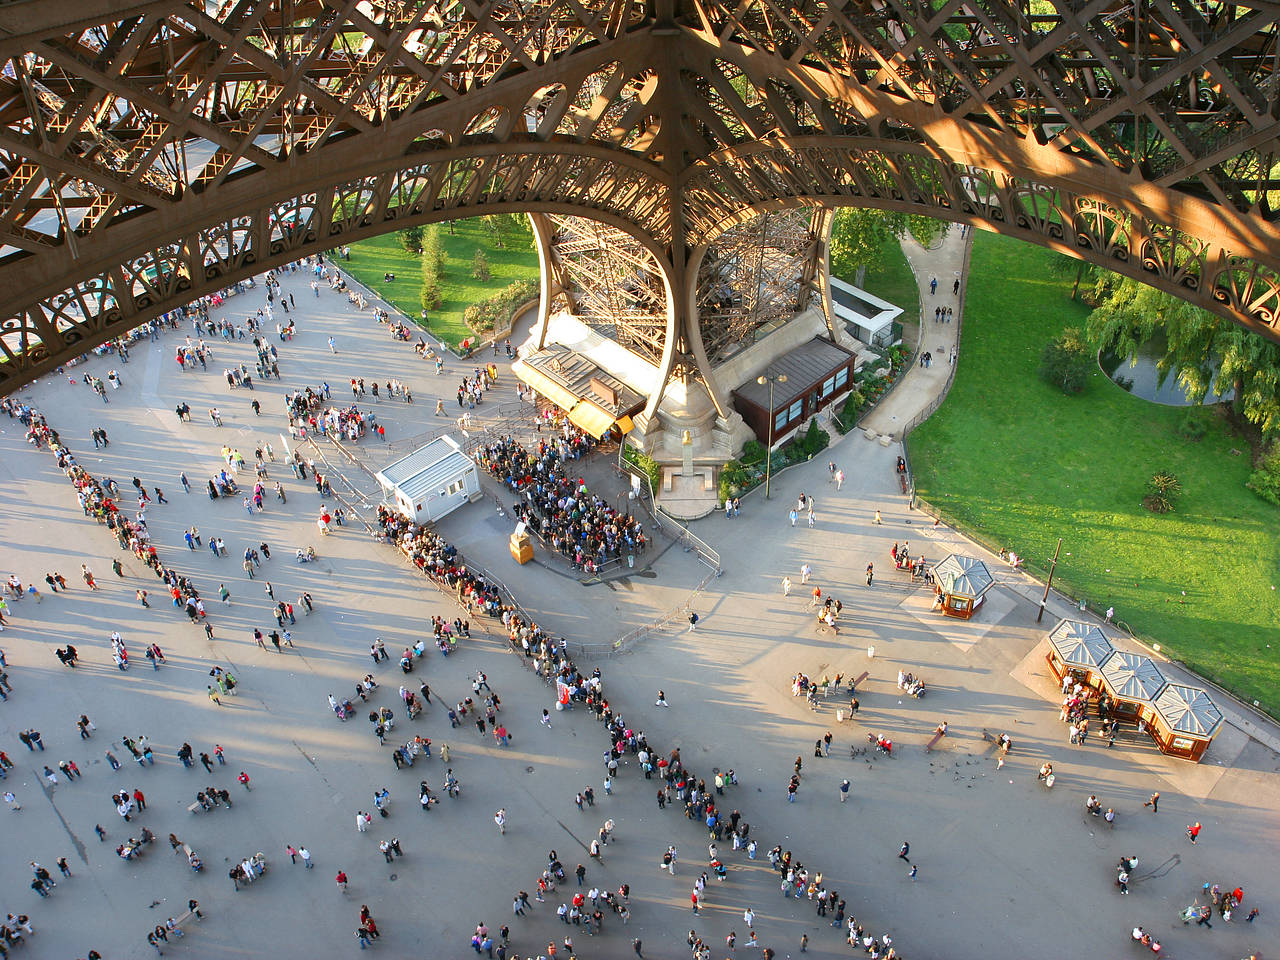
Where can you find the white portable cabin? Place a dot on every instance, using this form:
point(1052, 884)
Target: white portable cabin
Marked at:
point(431, 482)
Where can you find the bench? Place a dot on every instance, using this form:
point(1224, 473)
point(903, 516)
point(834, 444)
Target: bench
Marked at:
point(194, 808)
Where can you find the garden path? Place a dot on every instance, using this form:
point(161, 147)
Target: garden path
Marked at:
point(921, 386)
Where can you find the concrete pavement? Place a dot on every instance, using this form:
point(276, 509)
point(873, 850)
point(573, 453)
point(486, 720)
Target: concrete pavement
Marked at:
point(998, 855)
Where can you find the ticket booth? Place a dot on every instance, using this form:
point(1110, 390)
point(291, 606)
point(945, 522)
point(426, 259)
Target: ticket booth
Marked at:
point(962, 583)
point(1079, 649)
point(1186, 721)
point(431, 482)
point(1132, 682)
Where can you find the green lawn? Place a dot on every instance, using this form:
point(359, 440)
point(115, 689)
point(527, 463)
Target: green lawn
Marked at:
point(371, 259)
point(893, 280)
point(1020, 464)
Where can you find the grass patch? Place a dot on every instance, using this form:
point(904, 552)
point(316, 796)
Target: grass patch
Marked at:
point(893, 280)
point(370, 259)
point(1012, 459)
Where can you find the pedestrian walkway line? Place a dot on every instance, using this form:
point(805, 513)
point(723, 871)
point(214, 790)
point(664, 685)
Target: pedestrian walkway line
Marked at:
point(921, 388)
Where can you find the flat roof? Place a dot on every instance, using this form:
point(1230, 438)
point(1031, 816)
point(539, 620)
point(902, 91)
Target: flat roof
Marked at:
point(804, 366)
point(423, 470)
point(574, 372)
point(846, 298)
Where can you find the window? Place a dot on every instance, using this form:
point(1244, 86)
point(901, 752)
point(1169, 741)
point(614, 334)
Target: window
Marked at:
point(453, 488)
point(796, 411)
point(780, 420)
point(842, 377)
point(828, 387)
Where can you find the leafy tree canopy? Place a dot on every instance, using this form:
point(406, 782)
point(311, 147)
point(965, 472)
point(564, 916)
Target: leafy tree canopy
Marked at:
point(1201, 345)
point(860, 234)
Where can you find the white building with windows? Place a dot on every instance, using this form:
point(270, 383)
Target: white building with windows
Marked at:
point(431, 482)
point(866, 316)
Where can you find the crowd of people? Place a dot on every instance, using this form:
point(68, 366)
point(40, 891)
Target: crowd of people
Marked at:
point(590, 531)
point(583, 528)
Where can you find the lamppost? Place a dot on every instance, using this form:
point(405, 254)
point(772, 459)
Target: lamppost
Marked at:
point(768, 453)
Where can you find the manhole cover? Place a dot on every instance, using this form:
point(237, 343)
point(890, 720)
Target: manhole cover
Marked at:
point(528, 769)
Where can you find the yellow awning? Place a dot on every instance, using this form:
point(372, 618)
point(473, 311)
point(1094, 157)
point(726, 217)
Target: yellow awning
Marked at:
point(591, 419)
point(544, 385)
point(626, 424)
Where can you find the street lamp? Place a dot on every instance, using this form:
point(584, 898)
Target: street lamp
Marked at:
point(768, 453)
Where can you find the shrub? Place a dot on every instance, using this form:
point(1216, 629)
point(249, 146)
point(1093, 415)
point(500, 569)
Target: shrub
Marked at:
point(1265, 480)
point(847, 418)
point(806, 445)
point(752, 452)
point(1067, 361)
point(496, 311)
point(480, 266)
point(432, 269)
point(1162, 491)
point(645, 463)
point(410, 239)
point(430, 293)
point(734, 478)
point(1194, 424)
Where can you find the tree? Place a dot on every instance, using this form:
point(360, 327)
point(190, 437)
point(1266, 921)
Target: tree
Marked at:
point(480, 266)
point(1067, 361)
point(493, 223)
point(432, 269)
point(430, 296)
point(1063, 265)
point(1201, 347)
point(410, 239)
point(859, 236)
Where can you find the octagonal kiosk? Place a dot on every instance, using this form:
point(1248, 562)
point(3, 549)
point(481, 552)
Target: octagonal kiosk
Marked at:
point(1078, 648)
point(961, 583)
point(1132, 682)
point(1186, 721)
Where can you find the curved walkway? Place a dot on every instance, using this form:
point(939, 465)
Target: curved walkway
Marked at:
point(922, 386)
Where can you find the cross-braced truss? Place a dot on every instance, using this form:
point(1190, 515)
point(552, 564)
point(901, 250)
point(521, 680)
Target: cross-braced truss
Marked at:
point(614, 284)
point(755, 274)
point(155, 150)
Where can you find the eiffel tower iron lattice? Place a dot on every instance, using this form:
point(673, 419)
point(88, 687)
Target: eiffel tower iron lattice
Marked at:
point(153, 152)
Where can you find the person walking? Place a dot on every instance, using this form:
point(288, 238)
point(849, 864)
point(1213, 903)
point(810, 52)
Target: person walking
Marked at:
point(786, 586)
point(1154, 802)
point(903, 851)
point(500, 818)
point(844, 790)
point(305, 854)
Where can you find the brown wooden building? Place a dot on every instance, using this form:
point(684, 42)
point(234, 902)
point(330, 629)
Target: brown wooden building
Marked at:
point(817, 372)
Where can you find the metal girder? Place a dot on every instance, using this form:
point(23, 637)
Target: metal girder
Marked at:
point(151, 152)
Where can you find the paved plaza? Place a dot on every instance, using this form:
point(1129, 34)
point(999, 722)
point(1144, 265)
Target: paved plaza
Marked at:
point(1006, 868)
